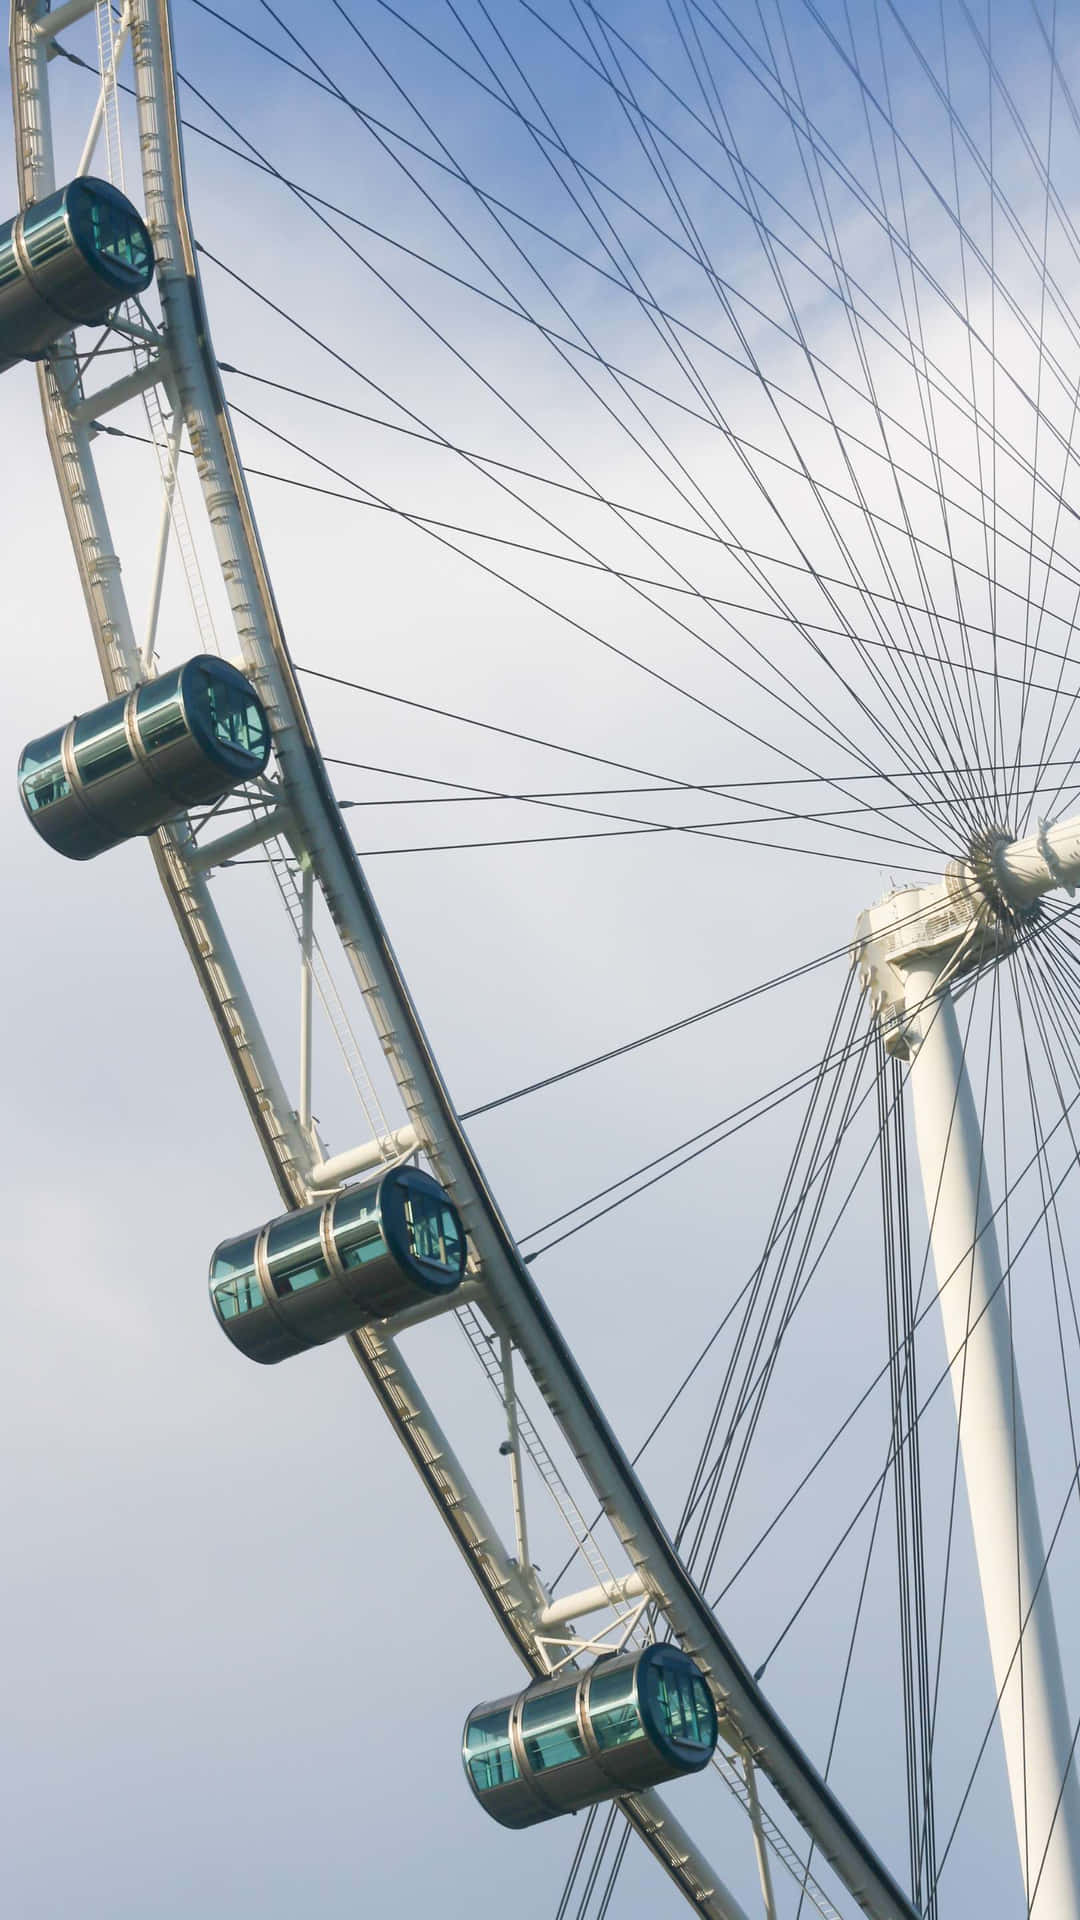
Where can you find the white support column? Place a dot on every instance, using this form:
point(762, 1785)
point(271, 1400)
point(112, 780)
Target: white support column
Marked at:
point(761, 1847)
point(157, 579)
point(513, 1447)
point(55, 22)
point(1033, 1714)
point(307, 898)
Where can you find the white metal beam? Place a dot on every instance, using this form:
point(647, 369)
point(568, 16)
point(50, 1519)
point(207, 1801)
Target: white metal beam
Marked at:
point(513, 1446)
point(342, 1166)
point(1033, 1713)
point(157, 578)
point(50, 24)
point(575, 1606)
point(93, 405)
point(307, 913)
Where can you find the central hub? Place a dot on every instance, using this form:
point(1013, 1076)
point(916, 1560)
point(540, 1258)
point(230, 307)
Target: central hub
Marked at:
point(969, 918)
point(991, 860)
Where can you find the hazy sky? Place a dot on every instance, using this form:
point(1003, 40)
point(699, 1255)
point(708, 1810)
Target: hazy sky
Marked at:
point(241, 1646)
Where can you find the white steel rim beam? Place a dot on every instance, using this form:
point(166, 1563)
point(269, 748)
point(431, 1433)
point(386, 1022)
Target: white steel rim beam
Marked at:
point(513, 1300)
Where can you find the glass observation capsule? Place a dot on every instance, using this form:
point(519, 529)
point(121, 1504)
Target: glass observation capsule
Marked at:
point(184, 740)
point(395, 1241)
point(67, 261)
point(627, 1723)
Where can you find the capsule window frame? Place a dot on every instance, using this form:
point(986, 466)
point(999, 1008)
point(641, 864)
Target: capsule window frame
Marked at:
point(194, 674)
point(53, 760)
point(88, 195)
point(536, 1698)
point(149, 749)
point(122, 703)
point(142, 756)
point(504, 1715)
point(433, 1277)
point(375, 1244)
point(320, 1238)
point(250, 1273)
point(534, 1779)
point(674, 1749)
point(601, 1670)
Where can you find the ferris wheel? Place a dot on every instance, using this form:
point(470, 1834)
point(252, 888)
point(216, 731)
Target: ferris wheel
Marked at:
point(913, 632)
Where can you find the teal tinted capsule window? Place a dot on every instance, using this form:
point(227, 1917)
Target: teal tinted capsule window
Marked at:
point(613, 1707)
point(294, 1255)
point(232, 715)
point(159, 712)
point(101, 743)
point(422, 1228)
point(688, 1708)
point(41, 771)
point(677, 1698)
point(357, 1227)
point(118, 237)
point(11, 272)
point(233, 1280)
point(488, 1752)
point(549, 1729)
point(225, 714)
point(433, 1230)
point(109, 234)
point(45, 226)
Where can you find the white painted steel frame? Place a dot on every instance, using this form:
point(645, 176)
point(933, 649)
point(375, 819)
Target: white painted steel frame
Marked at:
point(509, 1299)
point(910, 948)
point(1028, 1676)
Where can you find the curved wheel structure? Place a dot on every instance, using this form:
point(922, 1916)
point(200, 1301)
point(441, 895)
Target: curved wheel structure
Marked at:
point(292, 813)
point(302, 810)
